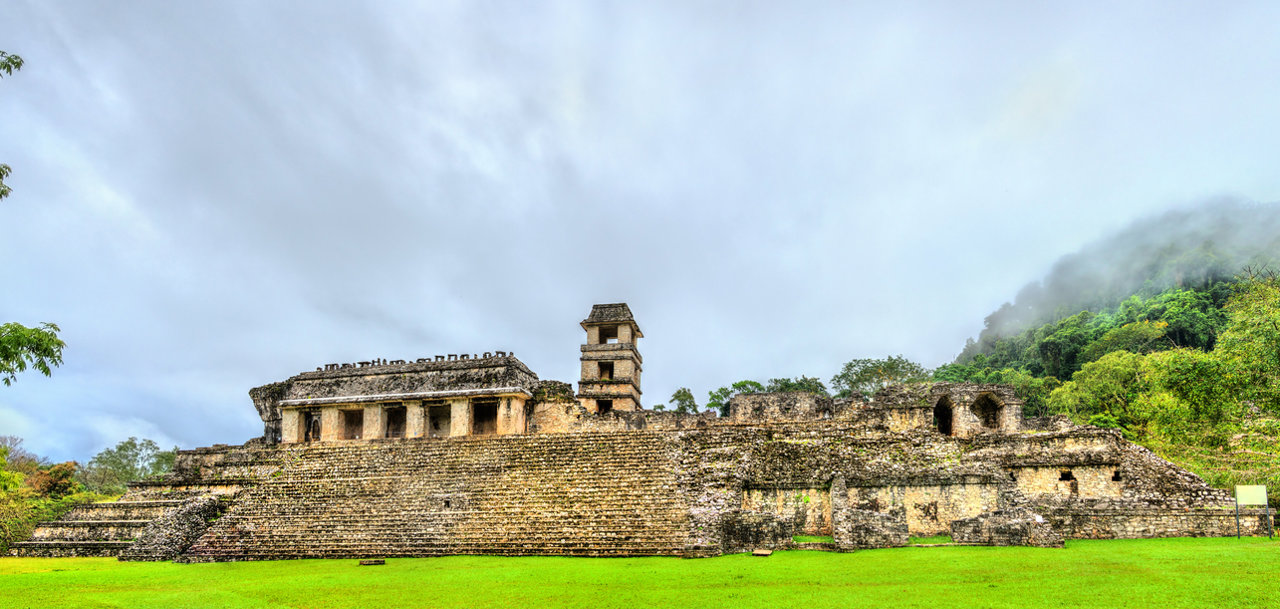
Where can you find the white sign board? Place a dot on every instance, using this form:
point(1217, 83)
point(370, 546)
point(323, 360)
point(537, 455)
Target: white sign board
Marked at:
point(1251, 495)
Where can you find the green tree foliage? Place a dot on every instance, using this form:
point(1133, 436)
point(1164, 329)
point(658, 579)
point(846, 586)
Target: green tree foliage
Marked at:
point(110, 470)
point(22, 347)
point(8, 63)
point(1250, 344)
point(801, 383)
point(1137, 337)
point(683, 401)
point(1104, 387)
point(45, 493)
point(866, 376)
point(9, 480)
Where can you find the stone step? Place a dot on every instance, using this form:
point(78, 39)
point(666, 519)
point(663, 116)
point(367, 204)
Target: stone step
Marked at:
point(103, 530)
point(60, 549)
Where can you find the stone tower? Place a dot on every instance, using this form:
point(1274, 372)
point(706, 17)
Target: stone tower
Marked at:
point(610, 362)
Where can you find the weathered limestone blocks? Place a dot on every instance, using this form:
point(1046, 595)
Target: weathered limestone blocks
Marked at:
point(790, 406)
point(1012, 527)
point(855, 529)
point(1081, 520)
point(747, 530)
point(169, 535)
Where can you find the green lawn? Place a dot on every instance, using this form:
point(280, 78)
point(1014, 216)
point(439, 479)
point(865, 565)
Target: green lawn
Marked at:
point(1131, 573)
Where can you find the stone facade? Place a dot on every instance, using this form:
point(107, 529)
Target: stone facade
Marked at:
point(477, 455)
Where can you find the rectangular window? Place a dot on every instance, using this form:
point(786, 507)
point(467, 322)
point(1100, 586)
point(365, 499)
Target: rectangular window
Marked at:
point(352, 424)
point(484, 417)
point(311, 426)
point(395, 419)
point(606, 371)
point(438, 421)
point(603, 406)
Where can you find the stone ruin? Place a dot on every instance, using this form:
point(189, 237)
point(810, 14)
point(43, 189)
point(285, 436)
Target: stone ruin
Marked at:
point(475, 454)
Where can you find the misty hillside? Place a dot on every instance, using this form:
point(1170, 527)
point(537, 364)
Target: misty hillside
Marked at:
point(1168, 331)
point(1191, 248)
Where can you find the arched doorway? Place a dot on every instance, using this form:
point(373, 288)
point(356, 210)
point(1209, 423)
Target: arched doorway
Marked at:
point(942, 416)
point(987, 409)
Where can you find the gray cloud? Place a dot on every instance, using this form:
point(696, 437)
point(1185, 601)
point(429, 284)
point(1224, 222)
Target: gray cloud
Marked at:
point(212, 196)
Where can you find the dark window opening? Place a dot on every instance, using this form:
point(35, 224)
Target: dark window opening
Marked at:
point(352, 424)
point(438, 421)
point(310, 427)
point(942, 416)
point(484, 418)
point(606, 371)
point(1115, 477)
point(1013, 477)
point(608, 334)
point(1066, 476)
point(603, 406)
point(988, 411)
point(447, 504)
point(395, 422)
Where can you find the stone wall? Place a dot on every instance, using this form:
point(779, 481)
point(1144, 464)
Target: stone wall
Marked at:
point(1081, 521)
point(808, 508)
point(788, 406)
point(928, 509)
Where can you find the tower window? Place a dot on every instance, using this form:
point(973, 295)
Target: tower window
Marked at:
point(603, 406)
point(608, 334)
point(1065, 476)
point(606, 371)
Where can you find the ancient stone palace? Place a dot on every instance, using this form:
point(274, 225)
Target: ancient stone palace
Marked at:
point(474, 454)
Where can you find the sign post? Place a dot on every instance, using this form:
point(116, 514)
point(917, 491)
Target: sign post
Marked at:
point(1252, 495)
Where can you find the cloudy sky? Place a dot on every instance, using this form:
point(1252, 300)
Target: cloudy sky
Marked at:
point(210, 196)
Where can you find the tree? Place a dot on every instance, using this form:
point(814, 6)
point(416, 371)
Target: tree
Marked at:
point(22, 460)
point(866, 376)
point(9, 480)
point(8, 63)
point(56, 481)
point(110, 470)
point(683, 401)
point(802, 383)
point(21, 346)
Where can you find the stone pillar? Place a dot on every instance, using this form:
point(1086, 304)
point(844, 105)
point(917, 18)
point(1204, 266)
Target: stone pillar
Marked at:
point(459, 417)
point(415, 423)
point(290, 426)
point(330, 424)
point(373, 425)
point(511, 416)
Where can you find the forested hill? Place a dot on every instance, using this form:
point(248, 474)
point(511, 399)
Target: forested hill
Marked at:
point(1193, 249)
point(1168, 331)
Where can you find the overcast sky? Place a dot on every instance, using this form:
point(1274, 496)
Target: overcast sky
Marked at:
point(210, 196)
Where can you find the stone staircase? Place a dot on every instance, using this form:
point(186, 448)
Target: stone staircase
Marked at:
point(94, 529)
point(587, 494)
point(110, 528)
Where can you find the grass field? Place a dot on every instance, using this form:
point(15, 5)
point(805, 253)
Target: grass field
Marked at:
point(1157, 573)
